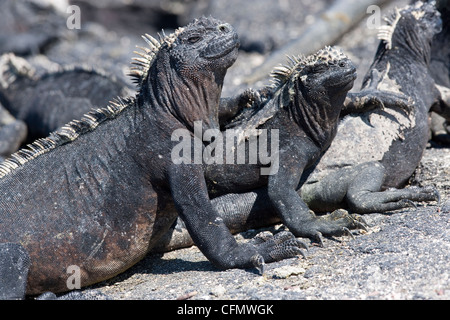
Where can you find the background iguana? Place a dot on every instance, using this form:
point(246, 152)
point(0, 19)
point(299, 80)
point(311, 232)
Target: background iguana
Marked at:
point(48, 101)
point(381, 148)
point(386, 145)
point(97, 193)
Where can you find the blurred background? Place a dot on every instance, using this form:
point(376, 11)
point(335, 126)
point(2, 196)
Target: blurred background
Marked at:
point(110, 30)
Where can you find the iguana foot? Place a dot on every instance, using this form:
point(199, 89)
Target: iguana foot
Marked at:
point(271, 248)
point(372, 97)
point(337, 223)
point(391, 199)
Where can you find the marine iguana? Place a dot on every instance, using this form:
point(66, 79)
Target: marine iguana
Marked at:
point(96, 194)
point(304, 104)
point(386, 145)
point(339, 180)
point(49, 101)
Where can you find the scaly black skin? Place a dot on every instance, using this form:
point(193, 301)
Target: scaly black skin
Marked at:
point(101, 200)
point(47, 102)
point(309, 109)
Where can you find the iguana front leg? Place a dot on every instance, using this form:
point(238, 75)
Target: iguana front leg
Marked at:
point(209, 231)
point(230, 107)
point(293, 211)
point(372, 97)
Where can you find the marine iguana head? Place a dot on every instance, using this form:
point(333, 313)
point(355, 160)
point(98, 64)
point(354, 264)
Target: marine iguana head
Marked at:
point(312, 89)
point(412, 29)
point(184, 72)
point(328, 74)
point(318, 86)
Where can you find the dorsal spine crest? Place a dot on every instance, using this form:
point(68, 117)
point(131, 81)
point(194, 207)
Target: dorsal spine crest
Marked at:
point(93, 118)
point(385, 33)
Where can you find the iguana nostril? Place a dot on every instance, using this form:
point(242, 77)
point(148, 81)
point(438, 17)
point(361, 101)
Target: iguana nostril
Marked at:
point(224, 28)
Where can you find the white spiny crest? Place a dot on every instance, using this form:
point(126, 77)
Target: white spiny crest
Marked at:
point(385, 32)
point(65, 134)
point(93, 118)
point(146, 57)
point(283, 73)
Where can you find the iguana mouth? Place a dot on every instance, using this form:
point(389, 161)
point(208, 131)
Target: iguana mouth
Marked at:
point(222, 48)
point(347, 80)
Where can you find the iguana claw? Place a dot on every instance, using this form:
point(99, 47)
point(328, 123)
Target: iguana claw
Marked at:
point(319, 237)
point(270, 248)
point(348, 232)
point(258, 263)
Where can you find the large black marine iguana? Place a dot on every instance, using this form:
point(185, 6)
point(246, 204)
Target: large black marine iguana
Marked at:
point(53, 99)
point(372, 150)
point(96, 194)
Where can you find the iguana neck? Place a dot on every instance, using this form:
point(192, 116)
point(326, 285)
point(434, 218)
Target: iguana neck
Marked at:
point(318, 114)
point(185, 98)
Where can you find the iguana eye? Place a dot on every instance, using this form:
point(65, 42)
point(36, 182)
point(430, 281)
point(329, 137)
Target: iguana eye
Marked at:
point(194, 39)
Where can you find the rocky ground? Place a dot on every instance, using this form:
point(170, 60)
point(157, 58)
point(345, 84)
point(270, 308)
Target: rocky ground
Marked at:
point(403, 255)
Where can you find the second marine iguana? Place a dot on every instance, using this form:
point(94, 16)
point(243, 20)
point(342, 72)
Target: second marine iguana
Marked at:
point(304, 104)
point(304, 107)
point(97, 194)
